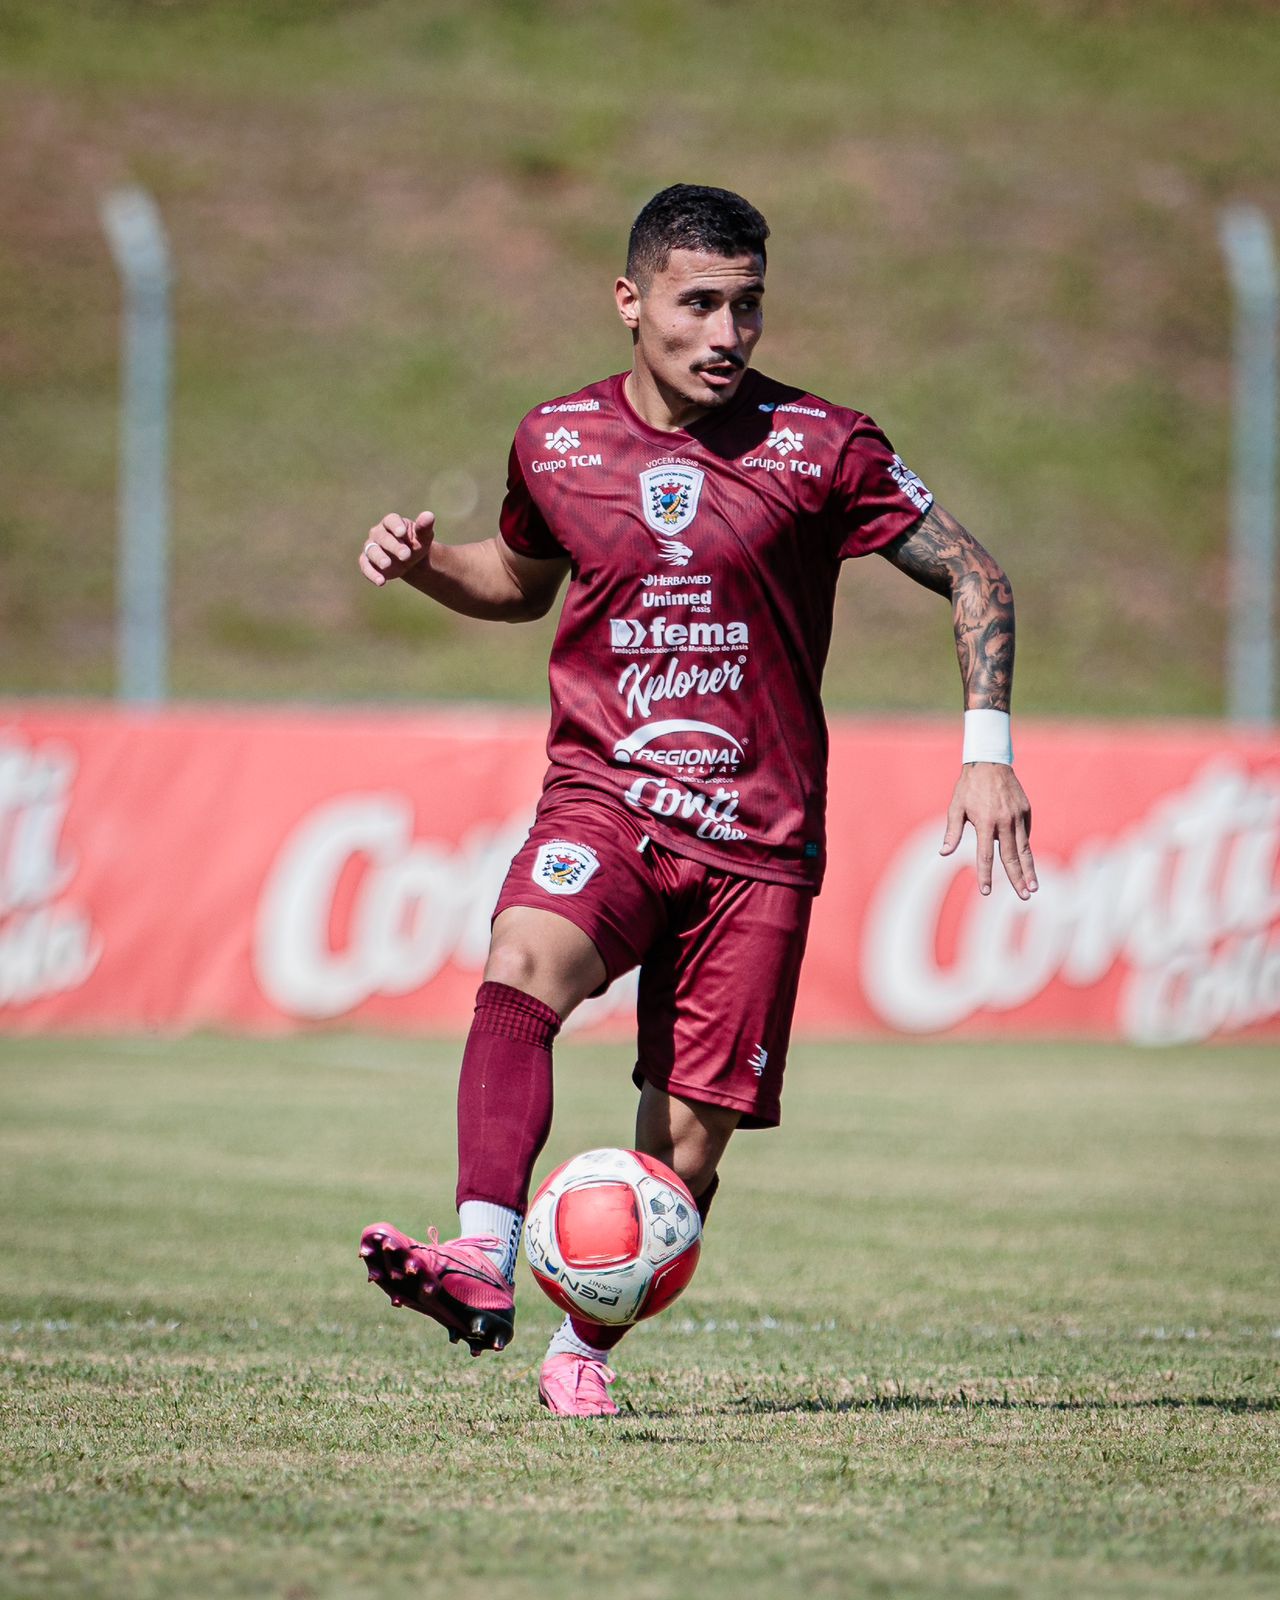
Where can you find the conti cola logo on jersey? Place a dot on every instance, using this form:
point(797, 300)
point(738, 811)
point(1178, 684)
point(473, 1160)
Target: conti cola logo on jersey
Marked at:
point(712, 816)
point(669, 495)
point(680, 742)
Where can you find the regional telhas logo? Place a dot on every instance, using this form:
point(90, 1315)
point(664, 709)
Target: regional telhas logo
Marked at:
point(562, 867)
point(563, 440)
point(784, 441)
point(669, 495)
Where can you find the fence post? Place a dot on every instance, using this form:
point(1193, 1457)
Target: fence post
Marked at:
point(1251, 266)
point(137, 239)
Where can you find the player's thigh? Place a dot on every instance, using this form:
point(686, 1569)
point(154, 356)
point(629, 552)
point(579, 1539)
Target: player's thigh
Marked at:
point(717, 996)
point(544, 955)
point(579, 906)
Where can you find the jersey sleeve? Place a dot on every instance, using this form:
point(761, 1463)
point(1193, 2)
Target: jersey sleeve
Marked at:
point(521, 524)
point(874, 495)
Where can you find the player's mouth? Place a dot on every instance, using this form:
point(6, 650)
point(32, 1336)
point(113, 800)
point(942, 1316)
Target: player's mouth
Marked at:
point(720, 374)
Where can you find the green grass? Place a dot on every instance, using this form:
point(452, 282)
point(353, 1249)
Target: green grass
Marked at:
point(980, 1321)
point(396, 227)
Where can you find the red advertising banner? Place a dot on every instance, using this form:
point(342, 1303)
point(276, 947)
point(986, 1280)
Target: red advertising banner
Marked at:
point(273, 870)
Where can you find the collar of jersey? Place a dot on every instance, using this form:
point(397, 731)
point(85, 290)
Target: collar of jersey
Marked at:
point(680, 436)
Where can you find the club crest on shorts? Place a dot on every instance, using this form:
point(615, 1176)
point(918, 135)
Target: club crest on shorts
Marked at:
point(669, 495)
point(563, 868)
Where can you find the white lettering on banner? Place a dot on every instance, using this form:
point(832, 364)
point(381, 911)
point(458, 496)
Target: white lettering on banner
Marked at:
point(47, 946)
point(719, 812)
point(641, 686)
point(1188, 898)
point(419, 904)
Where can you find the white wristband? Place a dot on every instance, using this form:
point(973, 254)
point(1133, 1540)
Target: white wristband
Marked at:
point(987, 737)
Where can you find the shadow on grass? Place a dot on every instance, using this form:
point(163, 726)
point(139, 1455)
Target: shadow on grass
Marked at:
point(1237, 1404)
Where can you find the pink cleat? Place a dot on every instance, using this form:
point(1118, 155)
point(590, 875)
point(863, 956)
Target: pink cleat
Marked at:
point(576, 1386)
point(456, 1283)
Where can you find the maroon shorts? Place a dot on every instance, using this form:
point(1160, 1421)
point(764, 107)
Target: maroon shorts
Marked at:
point(719, 954)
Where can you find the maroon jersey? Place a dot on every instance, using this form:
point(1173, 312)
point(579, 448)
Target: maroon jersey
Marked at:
point(687, 667)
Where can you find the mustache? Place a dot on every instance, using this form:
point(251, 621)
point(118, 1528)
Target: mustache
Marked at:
point(726, 360)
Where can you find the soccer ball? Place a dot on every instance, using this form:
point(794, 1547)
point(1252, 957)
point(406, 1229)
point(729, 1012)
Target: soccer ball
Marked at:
point(613, 1236)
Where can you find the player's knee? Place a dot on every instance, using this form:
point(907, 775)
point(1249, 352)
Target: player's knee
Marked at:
point(515, 963)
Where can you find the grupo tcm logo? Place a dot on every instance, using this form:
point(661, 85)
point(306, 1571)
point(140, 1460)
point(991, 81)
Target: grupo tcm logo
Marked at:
point(1185, 904)
point(47, 942)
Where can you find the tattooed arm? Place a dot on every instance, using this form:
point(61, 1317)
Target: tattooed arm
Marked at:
point(945, 557)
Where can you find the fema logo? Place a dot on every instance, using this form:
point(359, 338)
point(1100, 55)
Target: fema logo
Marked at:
point(563, 868)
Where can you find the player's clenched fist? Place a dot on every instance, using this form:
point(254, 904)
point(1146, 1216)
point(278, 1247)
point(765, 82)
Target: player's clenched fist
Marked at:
point(395, 545)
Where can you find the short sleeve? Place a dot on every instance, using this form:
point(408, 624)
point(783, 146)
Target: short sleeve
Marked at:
point(522, 525)
point(874, 495)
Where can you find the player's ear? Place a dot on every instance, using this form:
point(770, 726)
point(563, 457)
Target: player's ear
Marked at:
point(627, 294)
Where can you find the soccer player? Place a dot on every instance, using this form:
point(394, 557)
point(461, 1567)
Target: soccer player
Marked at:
point(701, 513)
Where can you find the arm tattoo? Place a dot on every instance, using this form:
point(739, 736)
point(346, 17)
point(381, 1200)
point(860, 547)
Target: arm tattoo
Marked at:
point(945, 557)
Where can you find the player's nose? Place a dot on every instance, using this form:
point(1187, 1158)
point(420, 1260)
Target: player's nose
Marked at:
point(726, 335)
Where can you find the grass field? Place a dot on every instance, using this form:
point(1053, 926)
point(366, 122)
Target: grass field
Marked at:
point(977, 1321)
point(396, 227)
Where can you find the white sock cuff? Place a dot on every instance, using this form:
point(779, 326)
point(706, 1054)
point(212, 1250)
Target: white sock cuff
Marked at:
point(565, 1342)
point(483, 1218)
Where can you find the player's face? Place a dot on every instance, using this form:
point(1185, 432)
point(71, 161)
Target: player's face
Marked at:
point(696, 326)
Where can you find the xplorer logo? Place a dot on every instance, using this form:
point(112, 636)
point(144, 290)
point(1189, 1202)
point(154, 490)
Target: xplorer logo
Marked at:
point(659, 633)
point(700, 747)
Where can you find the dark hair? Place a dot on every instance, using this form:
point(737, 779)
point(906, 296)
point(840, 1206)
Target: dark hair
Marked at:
point(690, 216)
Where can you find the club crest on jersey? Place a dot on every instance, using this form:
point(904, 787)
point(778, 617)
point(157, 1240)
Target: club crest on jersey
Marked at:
point(669, 494)
point(563, 868)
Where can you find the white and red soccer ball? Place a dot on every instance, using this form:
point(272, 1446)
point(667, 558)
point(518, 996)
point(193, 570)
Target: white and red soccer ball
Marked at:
point(613, 1236)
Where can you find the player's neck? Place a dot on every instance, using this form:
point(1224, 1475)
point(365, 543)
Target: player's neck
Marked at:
point(660, 407)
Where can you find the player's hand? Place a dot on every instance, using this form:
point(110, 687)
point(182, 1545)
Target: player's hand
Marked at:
point(989, 796)
point(395, 545)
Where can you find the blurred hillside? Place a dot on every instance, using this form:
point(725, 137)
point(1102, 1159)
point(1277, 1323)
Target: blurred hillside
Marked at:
point(396, 225)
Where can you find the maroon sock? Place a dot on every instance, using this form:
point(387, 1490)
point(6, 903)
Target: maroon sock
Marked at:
point(504, 1095)
point(604, 1338)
